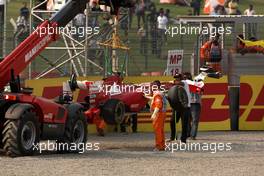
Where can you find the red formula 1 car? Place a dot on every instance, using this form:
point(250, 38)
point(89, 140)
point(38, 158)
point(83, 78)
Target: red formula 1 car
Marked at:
point(110, 98)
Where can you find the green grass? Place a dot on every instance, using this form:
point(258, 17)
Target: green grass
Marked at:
point(136, 61)
point(243, 5)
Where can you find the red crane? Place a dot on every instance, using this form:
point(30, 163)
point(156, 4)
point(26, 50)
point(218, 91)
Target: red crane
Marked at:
point(26, 119)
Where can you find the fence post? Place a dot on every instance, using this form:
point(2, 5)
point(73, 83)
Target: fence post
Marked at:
point(233, 94)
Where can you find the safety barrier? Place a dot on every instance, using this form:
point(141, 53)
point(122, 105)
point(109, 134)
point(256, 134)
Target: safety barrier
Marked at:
point(215, 105)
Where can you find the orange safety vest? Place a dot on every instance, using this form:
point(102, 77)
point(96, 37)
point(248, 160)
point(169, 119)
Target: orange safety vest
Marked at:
point(159, 101)
point(205, 51)
point(158, 122)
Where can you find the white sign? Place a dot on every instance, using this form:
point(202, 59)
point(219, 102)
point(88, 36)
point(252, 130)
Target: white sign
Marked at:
point(2, 2)
point(174, 62)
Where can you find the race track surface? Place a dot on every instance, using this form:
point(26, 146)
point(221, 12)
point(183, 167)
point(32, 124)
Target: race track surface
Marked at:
point(131, 154)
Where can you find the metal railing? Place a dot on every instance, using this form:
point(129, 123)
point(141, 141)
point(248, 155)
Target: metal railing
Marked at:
point(60, 57)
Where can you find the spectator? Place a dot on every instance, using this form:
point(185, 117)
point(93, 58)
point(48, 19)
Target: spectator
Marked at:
point(250, 11)
point(152, 19)
point(22, 28)
point(196, 5)
point(195, 109)
point(21, 22)
point(95, 6)
point(211, 53)
point(177, 110)
point(147, 4)
point(150, 5)
point(167, 13)
point(24, 11)
point(142, 35)
point(233, 7)
point(214, 12)
point(251, 27)
point(79, 23)
point(131, 12)
point(227, 1)
point(221, 10)
point(79, 20)
point(140, 12)
point(152, 16)
point(179, 101)
point(154, 38)
point(162, 21)
point(187, 76)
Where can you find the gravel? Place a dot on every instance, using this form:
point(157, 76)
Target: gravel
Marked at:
point(131, 154)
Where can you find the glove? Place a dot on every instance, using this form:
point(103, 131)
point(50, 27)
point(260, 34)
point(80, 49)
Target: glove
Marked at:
point(148, 96)
point(153, 117)
point(201, 77)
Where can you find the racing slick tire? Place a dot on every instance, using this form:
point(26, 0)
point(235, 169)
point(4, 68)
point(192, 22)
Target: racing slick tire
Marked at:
point(113, 111)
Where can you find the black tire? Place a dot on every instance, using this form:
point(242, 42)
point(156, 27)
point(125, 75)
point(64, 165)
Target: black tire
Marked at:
point(75, 129)
point(113, 111)
point(1, 143)
point(22, 135)
point(73, 82)
point(1, 136)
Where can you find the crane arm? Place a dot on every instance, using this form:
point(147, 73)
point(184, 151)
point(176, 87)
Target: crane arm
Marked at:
point(31, 47)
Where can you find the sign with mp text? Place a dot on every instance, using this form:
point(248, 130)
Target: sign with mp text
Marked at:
point(174, 62)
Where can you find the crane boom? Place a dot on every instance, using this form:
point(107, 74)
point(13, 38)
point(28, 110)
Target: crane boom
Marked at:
point(36, 42)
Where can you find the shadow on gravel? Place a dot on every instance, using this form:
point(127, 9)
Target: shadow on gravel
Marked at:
point(2, 153)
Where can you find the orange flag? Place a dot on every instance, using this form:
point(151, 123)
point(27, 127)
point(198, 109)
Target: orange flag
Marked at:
point(211, 4)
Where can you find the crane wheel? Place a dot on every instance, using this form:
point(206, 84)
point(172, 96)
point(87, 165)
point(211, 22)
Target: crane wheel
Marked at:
point(75, 130)
point(1, 144)
point(113, 111)
point(20, 136)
